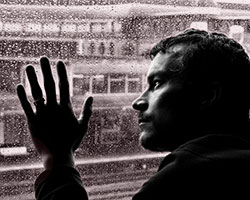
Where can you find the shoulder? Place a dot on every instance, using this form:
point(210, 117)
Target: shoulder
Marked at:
point(177, 175)
point(208, 165)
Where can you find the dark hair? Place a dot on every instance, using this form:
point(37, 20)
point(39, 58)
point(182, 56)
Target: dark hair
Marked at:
point(214, 57)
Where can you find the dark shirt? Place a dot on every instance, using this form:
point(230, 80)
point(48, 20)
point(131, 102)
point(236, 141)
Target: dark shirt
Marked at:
point(60, 183)
point(214, 166)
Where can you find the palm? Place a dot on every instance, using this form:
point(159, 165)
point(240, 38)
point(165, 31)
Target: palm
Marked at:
point(53, 127)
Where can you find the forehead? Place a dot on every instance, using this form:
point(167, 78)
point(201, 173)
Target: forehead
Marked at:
point(167, 62)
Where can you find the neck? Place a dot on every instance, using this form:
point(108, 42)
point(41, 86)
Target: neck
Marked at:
point(240, 128)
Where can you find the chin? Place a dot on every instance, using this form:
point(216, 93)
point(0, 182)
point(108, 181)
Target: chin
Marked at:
point(152, 143)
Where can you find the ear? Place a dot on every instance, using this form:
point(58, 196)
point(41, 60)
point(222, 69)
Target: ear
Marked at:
point(210, 95)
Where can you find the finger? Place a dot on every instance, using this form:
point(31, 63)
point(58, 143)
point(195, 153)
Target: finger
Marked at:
point(24, 102)
point(63, 83)
point(84, 120)
point(86, 113)
point(49, 83)
point(34, 85)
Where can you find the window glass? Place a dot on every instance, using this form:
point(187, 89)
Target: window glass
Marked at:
point(105, 46)
point(83, 28)
point(100, 84)
point(112, 48)
point(32, 27)
point(128, 49)
point(12, 27)
point(117, 82)
point(134, 83)
point(102, 48)
point(81, 84)
point(92, 48)
point(134, 86)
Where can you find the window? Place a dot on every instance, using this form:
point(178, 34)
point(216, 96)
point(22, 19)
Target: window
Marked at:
point(112, 48)
point(128, 49)
point(51, 27)
point(134, 83)
point(32, 27)
point(12, 27)
point(71, 28)
point(100, 84)
point(105, 27)
point(99, 41)
point(83, 28)
point(1, 26)
point(117, 26)
point(81, 84)
point(111, 132)
point(81, 47)
point(9, 75)
point(92, 48)
point(102, 48)
point(117, 83)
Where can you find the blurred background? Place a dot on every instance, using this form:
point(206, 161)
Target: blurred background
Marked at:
point(105, 45)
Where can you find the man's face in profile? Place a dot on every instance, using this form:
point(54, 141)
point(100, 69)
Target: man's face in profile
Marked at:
point(168, 106)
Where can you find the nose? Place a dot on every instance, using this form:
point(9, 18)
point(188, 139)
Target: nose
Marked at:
point(140, 104)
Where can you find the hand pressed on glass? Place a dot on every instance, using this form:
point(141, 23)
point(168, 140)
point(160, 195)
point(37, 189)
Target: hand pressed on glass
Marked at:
point(55, 130)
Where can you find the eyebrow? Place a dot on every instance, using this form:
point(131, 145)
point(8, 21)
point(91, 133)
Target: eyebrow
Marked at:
point(160, 73)
point(167, 73)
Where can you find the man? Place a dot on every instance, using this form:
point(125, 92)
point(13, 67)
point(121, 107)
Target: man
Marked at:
point(196, 106)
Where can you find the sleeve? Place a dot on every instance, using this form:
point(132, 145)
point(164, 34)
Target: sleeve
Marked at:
point(60, 183)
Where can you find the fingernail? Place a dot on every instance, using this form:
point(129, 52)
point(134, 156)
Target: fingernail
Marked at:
point(44, 60)
point(90, 100)
point(60, 62)
point(29, 68)
point(18, 87)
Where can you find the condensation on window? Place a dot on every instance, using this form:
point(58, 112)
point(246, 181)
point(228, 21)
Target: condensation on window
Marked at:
point(105, 45)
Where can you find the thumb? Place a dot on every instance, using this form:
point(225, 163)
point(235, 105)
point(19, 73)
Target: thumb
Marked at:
point(86, 113)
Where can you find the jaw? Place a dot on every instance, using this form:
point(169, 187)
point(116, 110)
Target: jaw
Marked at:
point(152, 142)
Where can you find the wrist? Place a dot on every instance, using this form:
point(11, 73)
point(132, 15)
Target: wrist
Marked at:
point(51, 161)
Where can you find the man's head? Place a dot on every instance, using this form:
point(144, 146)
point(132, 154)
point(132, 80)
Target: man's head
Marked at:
point(198, 82)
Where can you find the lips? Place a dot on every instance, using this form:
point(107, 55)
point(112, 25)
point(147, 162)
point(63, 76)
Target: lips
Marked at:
point(142, 120)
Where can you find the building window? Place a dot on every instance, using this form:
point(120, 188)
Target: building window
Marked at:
point(134, 83)
point(92, 48)
point(81, 47)
point(247, 28)
point(96, 27)
point(100, 84)
point(128, 49)
point(117, 27)
point(83, 28)
point(1, 26)
point(81, 84)
point(117, 83)
point(110, 133)
point(112, 48)
point(102, 48)
point(68, 28)
point(105, 27)
point(32, 27)
point(48, 28)
point(112, 26)
point(12, 27)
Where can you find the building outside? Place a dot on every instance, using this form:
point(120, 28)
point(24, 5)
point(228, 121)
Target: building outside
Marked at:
point(105, 45)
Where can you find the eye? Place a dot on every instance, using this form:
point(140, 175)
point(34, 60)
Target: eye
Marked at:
point(156, 84)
